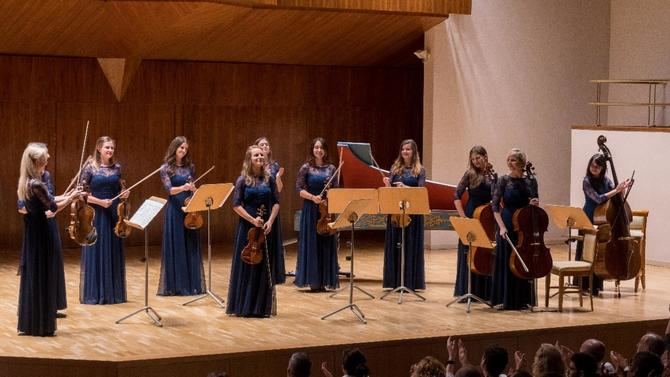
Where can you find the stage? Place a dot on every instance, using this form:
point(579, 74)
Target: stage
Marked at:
point(201, 338)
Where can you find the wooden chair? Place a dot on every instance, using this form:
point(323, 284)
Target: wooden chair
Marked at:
point(638, 229)
point(579, 269)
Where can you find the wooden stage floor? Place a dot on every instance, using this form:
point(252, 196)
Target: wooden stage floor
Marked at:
point(201, 338)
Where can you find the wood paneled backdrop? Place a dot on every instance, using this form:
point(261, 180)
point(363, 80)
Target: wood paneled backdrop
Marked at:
point(220, 107)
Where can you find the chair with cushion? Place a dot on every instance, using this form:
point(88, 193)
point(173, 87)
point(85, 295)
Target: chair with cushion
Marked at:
point(638, 229)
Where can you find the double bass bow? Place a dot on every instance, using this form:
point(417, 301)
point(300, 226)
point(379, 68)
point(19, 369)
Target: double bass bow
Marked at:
point(322, 227)
point(532, 259)
point(194, 220)
point(618, 255)
point(482, 259)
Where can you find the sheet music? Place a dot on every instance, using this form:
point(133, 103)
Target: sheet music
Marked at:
point(146, 213)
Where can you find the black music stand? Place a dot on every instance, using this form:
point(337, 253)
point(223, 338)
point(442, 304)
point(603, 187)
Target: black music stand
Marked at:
point(403, 201)
point(140, 220)
point(206, 198)
point(471, 232)
point(348, 218)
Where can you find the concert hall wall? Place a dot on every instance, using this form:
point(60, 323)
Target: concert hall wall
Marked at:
point(221, 107)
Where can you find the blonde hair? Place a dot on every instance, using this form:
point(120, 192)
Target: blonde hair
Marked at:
point(519, 155)
point(548, 361)
point(248, 168)
point(34, 156)
point(96, 159)
point(415, 163)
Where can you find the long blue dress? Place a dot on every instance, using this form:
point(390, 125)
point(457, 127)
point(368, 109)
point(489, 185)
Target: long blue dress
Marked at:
point(510, 291)
point(594, 195)
point(317, 264)
point(103, 268)
point(55, 236)
point(477, 196)
point(39, 266)
point(415, 274)
point(182, 272)
point(249, 292)
point(278, 265)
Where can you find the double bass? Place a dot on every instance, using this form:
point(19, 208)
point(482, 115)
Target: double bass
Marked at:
point(618, 254)
point(533, 258)
point(482, 259)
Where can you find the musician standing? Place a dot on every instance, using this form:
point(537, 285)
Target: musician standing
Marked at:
point(598, 189)
point(276, 171)
point(479, 184)
point(512, 191)
point(250, 288)
point(406, 171)
point(103, 266)
point(41, 289)
point(317, 265)
point(182, 272)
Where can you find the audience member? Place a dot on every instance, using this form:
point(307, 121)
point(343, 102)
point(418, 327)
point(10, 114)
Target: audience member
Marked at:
point(548, 362)
point(299, 365)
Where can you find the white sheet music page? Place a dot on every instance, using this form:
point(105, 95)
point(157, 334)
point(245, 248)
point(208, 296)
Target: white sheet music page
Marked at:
point(146, 213)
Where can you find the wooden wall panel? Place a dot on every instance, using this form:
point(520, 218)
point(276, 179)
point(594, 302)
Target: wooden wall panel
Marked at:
point(221, 107)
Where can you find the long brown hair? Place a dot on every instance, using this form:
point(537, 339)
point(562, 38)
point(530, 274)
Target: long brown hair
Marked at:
point(269, 158)
point(415, 163)
point(96, 159)
point(171, 155)
point(326, 156)
point(475, 176)
point(248, 168)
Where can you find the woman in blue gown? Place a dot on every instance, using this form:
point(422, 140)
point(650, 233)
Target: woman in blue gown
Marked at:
point(103, 268)
point(182, 272)
point(512, 191)
point(276, 171)
point(406, 171)
point(256, 202)
point(317, 265)
point(597, 190)
point(479, 184)
point(41, 264)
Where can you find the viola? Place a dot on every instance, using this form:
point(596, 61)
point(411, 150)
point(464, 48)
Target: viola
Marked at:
point(121, 229)
point(325, 217)
point(530, 223)
point(253, 252)
point(618, 254)
point(81, 228)
point(482, 259)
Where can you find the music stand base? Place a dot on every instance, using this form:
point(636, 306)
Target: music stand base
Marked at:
point(354, 309)
point(469, 297)
point(401, 290)
point(208, 293)
point(355, 287)
point(151, 313)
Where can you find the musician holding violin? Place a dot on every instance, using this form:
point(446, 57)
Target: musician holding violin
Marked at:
point(512, 192)
point(478, 180)
point(598, 189)
point(103, 268)
point(182, 272)
point(317, 266)
point(406, 171)
point(42, 285)
point(256, 201)
point(276, 171)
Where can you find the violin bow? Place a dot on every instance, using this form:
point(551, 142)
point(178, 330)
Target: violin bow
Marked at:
point(81, 160)
point(331, 178)
point(133, 186)
point(374, 162)
point(203, 174)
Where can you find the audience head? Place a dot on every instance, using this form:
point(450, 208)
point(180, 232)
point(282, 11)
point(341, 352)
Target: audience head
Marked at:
point(646, 364)
point(651, 342)
point(494, 361)
point(582, 365)
point(595, 348)
point(428, 367)
point(548, 362)
point(299, 365)
point(354, 363)
point(468, 371)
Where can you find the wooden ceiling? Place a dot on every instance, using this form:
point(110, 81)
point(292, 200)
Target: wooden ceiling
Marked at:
point(310, 32)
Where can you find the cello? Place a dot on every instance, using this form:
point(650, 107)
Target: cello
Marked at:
point(482, 259)
point(618, 254)
point(533, 258)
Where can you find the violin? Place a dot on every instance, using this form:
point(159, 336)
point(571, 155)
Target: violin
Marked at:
point(398, 220)
point(618, 254)
point(253, 252)
point(533, 258)
point(322, 227)
point(81, 228)
point(482, 258)
point(121, 229)
point(194, 220)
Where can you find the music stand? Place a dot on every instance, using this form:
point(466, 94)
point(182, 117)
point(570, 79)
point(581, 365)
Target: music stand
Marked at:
point(403, 201)
point(208, 197)
point(348, 218)
point(566, 217)
point(140, 220)
point(471, 232)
